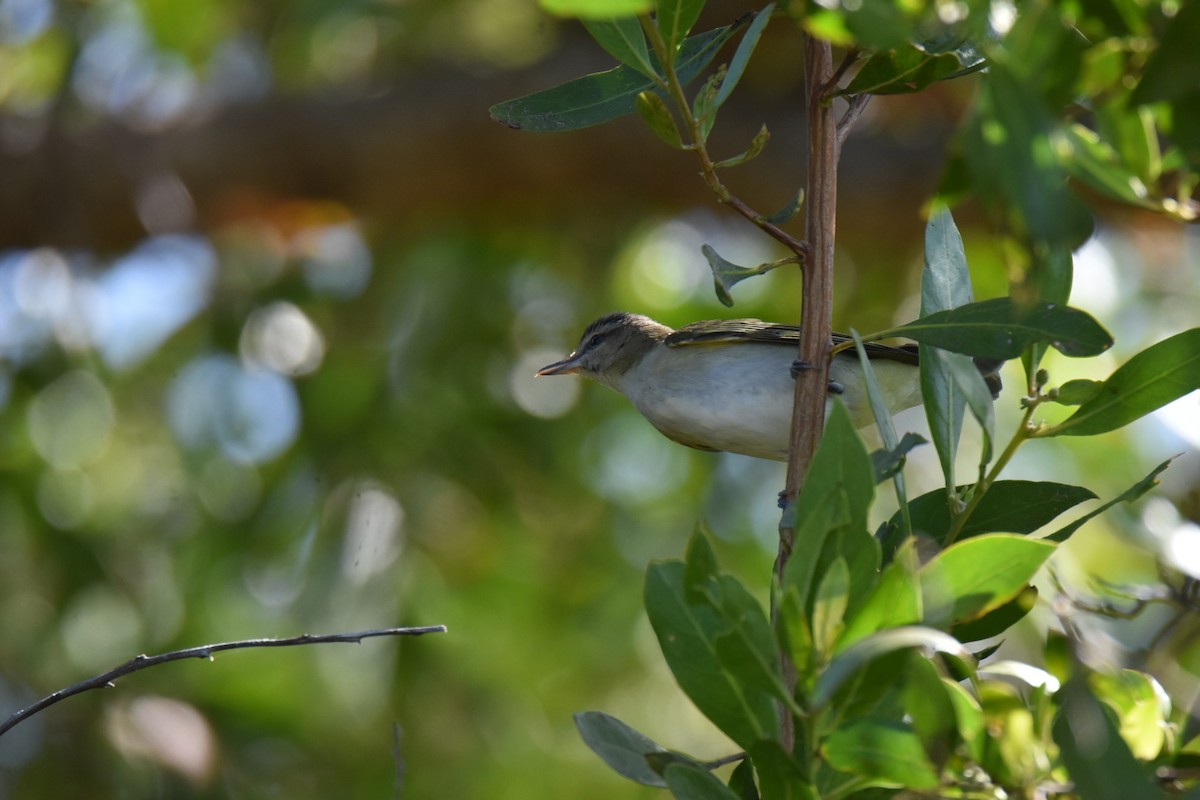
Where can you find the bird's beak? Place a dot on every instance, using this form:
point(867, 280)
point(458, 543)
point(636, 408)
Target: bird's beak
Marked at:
point(568, 366)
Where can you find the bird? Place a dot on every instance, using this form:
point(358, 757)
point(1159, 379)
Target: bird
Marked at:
point(728, 385)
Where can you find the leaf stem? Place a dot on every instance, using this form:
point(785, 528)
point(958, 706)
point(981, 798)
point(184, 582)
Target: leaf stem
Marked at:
point(697, 144)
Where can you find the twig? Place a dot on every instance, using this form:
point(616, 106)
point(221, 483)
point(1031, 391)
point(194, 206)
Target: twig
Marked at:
point(708, 169)
point(857, 104)
point(207, 651)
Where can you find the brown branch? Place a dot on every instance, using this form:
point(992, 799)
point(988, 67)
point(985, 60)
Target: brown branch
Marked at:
point(816, 339)
point(857, 104)
point(207, 651)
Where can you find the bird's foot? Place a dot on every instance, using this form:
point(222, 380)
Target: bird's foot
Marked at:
point(836, 388)
point(800, 365)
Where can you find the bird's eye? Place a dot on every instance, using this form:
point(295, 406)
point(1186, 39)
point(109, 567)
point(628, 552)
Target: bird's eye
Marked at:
point(595, 340)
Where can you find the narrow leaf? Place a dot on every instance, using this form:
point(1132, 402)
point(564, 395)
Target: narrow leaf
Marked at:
point(620, 746)
point(908, 69)
point(654, 112)
point(624, 40)
point(604, 96)
point(1154, 377)
point(999, 328)
point(756, 147)
point(1128, 496)
point(1008, 507)
point(788, 212)
point(945, 284)
point(741, 56)
point(675, 18)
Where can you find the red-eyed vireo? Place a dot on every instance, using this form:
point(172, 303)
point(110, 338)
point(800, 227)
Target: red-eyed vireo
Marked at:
point(728, 384)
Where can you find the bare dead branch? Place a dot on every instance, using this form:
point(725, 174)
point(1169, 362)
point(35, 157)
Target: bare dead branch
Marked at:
point(207, 651)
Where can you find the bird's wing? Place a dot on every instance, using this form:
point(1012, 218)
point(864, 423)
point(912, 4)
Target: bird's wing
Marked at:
point(755, 330)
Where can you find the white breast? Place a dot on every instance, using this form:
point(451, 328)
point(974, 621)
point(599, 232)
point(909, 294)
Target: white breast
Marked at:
point(738, 398)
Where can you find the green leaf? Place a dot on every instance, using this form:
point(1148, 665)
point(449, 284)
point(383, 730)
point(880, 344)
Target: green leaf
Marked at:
point(788, 212)
point(889, 462)
point(1173, 69)
point(969, 385)
point(970, 717)
point(726, 274)
point(909, 68)
point(927, 703)
point(1098, 761)
point(704, 108)
point(1050, 275)
point(675, 18)
point(741, 781)
point(999, 328)
point(624, 40)
point(700, 569)
point(1076, 392)
point(756, 147)
point(831, 512)
point(654, 112)
point(971, 578)
point(1008, 507)
point(1097, 164)
point(882, 751)
point(999, 620)
point(689, 782)
point(597, 9)
point(688, 634)
point(945, 284)
point(1128, 496)
point(779, 775)
point(829, 606)
point(741, 56)
point(878, 645)
point(895, 600)
point(604, 96)
point(620, 746)
point(1143, 709)
point(1154, 377)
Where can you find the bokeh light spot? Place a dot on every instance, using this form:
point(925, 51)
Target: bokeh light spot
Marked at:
point(70, 420)
point(249, 415)
point(374, 524)
point(281, 337)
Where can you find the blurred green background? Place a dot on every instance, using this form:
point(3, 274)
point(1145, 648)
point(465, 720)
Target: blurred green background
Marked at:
point(272, 292)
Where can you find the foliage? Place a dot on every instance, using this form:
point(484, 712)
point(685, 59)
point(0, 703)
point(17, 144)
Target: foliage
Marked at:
point(865, 685)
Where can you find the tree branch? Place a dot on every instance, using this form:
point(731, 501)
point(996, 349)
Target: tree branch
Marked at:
point(816, 339)
point(207, 651)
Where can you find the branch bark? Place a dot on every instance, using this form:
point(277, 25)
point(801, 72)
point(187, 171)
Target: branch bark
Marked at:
point(816, 340)
point(206, 651)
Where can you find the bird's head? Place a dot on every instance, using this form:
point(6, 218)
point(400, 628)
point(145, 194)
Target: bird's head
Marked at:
point(610, 346)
